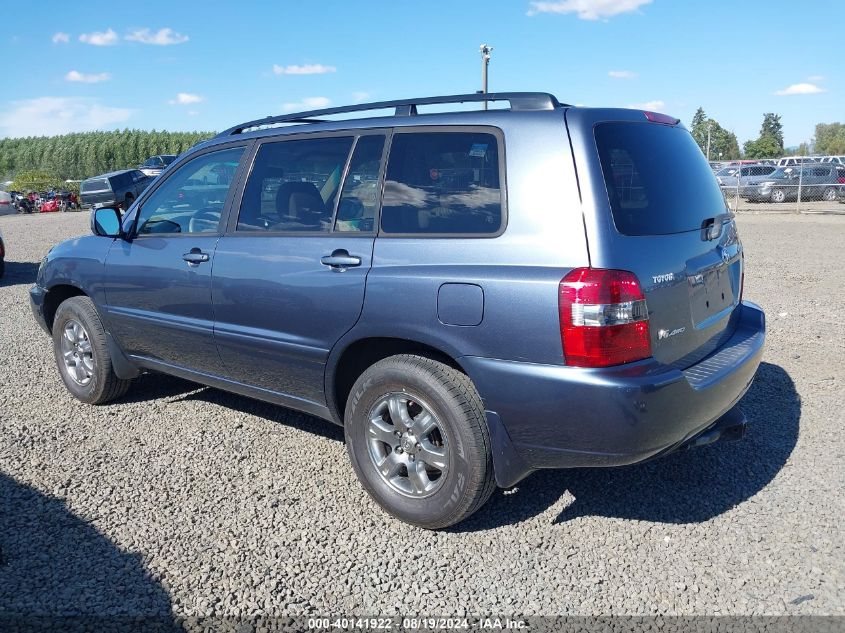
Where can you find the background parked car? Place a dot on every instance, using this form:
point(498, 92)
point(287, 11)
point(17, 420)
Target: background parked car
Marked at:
point(2, 255)
point(154, 165)
point(839, 160)
point(819, 181)
point(115, 188)
point(790, 161)
point(744, 176)
point(6, 206)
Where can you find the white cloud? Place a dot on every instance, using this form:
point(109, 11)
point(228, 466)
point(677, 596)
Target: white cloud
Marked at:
point(162, 37)
point(308, 103)
point(60, 38)
point(47, 116)
point(305, 69)
point(587, 9)
point(99, 38)
point(186, 98)
point(622, 74)
point(360, 97)
point(93, 78)
point(815, 78)
point(652, 106)
point(800, 89)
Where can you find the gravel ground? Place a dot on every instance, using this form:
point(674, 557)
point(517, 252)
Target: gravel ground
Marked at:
point(186, 500)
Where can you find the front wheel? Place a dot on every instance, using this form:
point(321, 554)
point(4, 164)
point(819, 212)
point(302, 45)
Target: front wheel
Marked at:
point(82, 354)
point(778, 195)
point(418, 440)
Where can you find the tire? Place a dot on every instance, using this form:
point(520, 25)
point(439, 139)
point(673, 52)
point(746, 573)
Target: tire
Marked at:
point(829, 194)
point(78, 331)
point(778, 195)
point(459, 479)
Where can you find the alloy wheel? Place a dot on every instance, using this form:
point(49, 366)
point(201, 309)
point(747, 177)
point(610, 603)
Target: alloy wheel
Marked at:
point(77, 353)
point(407, 446)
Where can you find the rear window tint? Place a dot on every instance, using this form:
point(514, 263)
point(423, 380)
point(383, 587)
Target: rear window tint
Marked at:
point(442, 183)
point(658, 181)
point(95, 184)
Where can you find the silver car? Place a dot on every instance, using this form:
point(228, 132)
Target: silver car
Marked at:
point(743, 176)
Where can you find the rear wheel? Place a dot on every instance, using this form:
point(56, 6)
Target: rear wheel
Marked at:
point(778, 195)
point(829, 194)
point(418, 440)
point(82, 354)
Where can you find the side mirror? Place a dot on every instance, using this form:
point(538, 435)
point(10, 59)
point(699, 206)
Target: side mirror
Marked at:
point(105, 222)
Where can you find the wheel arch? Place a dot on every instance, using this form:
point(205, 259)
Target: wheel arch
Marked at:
point(55, 296)
point(348, 361)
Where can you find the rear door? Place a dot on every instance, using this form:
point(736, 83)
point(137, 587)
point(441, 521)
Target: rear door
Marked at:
point(651, 207)
point(289, 273)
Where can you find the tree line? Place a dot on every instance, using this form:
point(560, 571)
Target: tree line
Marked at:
point(829, 139)
point(81, 155)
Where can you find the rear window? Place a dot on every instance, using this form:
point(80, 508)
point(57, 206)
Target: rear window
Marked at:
point(658, 181)
point(94, 184)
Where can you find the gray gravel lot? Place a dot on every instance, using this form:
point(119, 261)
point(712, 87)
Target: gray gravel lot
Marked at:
point(189, 500)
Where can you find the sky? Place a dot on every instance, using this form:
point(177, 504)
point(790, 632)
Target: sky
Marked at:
point(187, 65)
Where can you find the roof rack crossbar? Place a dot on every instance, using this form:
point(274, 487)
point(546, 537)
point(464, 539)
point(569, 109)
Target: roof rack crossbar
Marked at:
point(407, 107)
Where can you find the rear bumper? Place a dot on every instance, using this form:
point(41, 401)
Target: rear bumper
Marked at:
point(552, 416)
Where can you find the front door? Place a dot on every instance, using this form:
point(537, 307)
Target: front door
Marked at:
point(158, 283)
point(290, 272)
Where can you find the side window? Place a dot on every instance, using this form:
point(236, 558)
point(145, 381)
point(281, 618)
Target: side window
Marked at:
point(191, 199)
point(294, 184)
point(442, 182)
point(359, 197)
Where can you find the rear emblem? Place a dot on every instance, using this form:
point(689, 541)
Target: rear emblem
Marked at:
point(659, 279)
point(664, 334)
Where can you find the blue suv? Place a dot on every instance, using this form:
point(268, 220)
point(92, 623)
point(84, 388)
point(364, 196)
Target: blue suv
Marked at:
point(472, 295)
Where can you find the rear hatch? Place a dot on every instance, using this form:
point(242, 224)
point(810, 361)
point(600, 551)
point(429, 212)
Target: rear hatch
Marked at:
point(656, 210)
point(95, 191)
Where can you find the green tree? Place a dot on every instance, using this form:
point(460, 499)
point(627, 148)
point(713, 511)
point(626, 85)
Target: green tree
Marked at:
point(770, 142)
point(830, 138)
point(78, 156)
point(723, 143)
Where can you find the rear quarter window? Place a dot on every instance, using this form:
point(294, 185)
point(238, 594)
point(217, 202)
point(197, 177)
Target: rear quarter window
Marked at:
point(657, 180)
point(443, 183)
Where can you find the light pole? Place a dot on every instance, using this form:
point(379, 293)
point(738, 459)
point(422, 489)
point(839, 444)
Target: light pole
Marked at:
point(485, 61)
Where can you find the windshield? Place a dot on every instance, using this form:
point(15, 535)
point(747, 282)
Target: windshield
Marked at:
point(168, 159)
point(727, 171)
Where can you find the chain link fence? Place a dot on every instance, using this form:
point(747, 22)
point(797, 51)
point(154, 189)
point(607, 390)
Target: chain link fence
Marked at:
point(787, 184)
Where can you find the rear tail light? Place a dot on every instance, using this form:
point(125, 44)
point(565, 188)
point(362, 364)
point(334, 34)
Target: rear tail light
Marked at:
point(603, 318)
point(841, 181)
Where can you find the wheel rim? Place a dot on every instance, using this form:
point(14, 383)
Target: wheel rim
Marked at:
point(77, 354)
point(407, 447)
point(830, 194)
point(778, 195)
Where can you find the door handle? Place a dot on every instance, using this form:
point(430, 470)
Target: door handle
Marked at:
point(195, 257)
point(340, 260)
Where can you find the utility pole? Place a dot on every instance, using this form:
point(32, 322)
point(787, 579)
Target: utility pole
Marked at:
point(709, 125)
point(485, 61)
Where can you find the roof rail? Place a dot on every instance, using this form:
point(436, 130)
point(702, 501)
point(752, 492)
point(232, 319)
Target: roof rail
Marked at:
point(406, 107)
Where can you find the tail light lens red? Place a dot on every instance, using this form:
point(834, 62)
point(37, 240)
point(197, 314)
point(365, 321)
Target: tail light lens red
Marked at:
point(603, 318)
